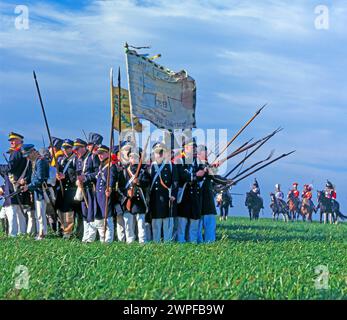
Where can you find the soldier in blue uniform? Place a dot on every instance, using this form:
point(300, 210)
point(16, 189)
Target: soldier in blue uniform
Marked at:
point(55, 150)
point(207, 223)
point(86, 169)
point(163, 193)
point(93, 143)
point(39, 176)
point(17, 168)
point(120, 197)
point(189, 196)
point(65, 202)
point(135, 206)
point(103, 190)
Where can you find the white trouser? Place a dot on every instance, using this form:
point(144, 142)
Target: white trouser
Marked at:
point(2, 213)
point(97, 226)
point(40, 217)
point(181, 229)
point(167, 225)
point(16, 220)
point(129, 222)
point(31, 228)
point(86, 230)
point(193, 230)
point(120, 228)
point(207, 228)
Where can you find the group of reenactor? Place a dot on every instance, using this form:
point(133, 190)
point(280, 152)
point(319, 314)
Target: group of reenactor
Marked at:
point(84, 189)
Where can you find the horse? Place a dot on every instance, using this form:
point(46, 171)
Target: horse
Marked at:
point(326, 207)
point(336, 211)
point(306, 209)
point(329, 207)
point(254, 203)
point(278, 207)
point(293, 207)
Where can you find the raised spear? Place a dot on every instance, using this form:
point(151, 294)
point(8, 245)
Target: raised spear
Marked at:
point(263, 166)
point(48, 131)
point(238, 151)
point(256, 170)
point(249, 155)
point(239, 132)
point(254, 165)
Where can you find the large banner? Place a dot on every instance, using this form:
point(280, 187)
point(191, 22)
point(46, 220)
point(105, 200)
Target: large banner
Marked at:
point(125, 111)
point(164, 97)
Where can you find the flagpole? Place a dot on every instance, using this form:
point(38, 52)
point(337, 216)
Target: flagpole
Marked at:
point(119, 110)
point(110, 152)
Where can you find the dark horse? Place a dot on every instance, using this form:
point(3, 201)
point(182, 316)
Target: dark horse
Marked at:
point(329, 208)
point(254, 203)
point(278, 207)
point(336, 211)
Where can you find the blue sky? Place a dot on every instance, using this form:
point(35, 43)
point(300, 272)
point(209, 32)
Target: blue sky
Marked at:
point(242, 54)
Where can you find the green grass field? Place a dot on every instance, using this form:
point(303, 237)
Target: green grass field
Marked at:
point(251, 260)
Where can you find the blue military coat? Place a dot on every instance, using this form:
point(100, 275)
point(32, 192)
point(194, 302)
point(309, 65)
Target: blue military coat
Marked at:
point(14, 169)
point(39, 176)
point(89, 166)
point(190, 206)
point(100, 197)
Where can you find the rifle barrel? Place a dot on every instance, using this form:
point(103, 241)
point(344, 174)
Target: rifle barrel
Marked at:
point(239, 132)
point(48, 131)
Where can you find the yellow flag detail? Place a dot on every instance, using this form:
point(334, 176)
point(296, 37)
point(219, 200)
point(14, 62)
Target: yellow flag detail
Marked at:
point(125, 111)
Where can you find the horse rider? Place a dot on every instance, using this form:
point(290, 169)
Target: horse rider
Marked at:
point(307, 194)
point(295, 193)
point(255, 188)
point(278, 193)
point(224, 201)
point(330, 191)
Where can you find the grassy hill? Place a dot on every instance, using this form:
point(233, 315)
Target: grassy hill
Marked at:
point(251, 260)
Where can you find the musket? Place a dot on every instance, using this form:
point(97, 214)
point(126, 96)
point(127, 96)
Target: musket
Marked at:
point(111, 144)
point(254, 165)
point(256, 170)
point(249, 155)
point(84, 133)
point(239, 132)
point(13, 194)
point(48, 131)
point(128, 203)
point(263, 166)
point(238, 151)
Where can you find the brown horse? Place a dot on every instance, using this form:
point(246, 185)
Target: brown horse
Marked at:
point(307, 209)
point(293, 207)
